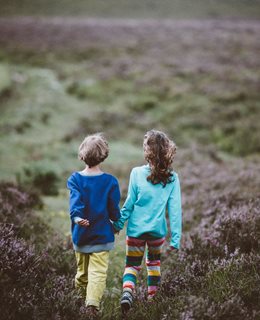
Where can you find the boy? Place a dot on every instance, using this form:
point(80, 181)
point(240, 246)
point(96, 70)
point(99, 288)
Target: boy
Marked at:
point(94, 202)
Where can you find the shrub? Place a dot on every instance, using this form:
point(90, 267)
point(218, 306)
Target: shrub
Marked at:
point(40, 176)
point(5, 79)
point(143, 103)
point(16, 209)
point(35, 283)
point(199, 308)
point(31, 287)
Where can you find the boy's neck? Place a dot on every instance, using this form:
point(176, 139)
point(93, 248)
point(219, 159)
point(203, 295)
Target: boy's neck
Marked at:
point(92, 170)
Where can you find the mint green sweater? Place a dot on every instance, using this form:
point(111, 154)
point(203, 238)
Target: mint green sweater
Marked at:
point(145, 207)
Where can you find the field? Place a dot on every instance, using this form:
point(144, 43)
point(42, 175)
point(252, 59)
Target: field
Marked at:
point(145, 9)
point(63, 77)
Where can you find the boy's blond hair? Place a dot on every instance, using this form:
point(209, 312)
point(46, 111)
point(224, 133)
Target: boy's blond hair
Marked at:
point(94, 149)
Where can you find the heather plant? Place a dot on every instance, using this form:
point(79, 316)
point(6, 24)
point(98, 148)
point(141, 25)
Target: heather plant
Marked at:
point(18, 265)
point(35, 282)
point(16, 209)
point(31, 286)
point(216, 273)
point(214, 276)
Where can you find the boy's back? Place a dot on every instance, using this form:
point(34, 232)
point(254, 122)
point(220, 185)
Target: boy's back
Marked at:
point(95, 198)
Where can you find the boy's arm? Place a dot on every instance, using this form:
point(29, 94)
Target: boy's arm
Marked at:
point(113, 202)
point(129, 203)
point(175, 213)
point(76, 204)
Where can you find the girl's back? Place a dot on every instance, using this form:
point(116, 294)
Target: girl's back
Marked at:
point(152, 189)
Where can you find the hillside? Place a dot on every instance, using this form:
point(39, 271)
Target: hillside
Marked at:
point(62, 78)
point(180, 9)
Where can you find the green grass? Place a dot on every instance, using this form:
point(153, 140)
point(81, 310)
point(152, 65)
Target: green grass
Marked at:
point(134, 8)
point(52, 107)
point(5, 78)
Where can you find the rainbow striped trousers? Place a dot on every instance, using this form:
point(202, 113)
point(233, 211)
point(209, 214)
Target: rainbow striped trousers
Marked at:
point(135, 249)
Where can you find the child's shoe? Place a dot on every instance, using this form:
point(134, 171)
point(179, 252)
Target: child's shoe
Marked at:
point(92, 312)
point(126, 301)
point(150, 298)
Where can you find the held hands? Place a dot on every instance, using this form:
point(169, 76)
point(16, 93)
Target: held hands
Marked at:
point(83, 223)
point(115, 230)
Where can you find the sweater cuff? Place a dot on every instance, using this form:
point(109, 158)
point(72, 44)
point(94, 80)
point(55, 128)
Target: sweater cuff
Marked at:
point(116, 227)
point(77, 219)
point(175, 244)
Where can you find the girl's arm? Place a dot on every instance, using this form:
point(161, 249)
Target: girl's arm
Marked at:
point(175, 213)
point(76, 204)
point(129, 203)
point(113, 202)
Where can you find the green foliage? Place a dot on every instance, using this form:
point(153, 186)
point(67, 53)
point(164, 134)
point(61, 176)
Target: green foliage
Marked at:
point(5, 79)
point(40, 176)
point(133, 9)
point(86, 90)
point(125, 86)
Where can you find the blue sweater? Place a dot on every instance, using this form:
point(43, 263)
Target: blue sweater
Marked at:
point(145, 207)
point(95, 198)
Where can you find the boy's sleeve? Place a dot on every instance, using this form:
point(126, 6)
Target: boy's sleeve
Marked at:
point(76, 204)
point(175, 213)
point(113, 202)
point(129, 203)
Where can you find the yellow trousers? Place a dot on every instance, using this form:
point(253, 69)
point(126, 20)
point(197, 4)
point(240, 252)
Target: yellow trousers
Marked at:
point(91, 276)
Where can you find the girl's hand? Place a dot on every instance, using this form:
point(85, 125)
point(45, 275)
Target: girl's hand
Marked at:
point(83, 223)
point(115, 230)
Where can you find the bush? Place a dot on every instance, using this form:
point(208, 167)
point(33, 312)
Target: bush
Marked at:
point(16, 209)
point(31, 287)
point(143, 103)
point(35, 283)
point(5, 79)
point(40, 176)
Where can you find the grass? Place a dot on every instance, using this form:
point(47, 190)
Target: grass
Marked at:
point(133, 9)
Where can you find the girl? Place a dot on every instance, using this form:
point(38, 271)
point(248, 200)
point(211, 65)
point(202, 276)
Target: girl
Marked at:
point(152, 188)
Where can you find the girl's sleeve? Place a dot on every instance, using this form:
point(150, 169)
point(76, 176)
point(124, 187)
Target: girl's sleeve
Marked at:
point(129, 203)
point(113, 202)
point(76, 204)
point(175, 213)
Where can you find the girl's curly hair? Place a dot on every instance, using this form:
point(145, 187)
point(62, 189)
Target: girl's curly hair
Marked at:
point(159, 152)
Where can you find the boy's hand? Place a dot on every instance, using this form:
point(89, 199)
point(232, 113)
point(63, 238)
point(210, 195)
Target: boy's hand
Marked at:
point(115, 230)
point(83, 223)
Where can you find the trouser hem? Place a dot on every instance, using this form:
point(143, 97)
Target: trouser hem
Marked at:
point(93, 302)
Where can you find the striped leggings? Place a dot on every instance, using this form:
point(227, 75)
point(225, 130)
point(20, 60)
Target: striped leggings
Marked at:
point(135, 249)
